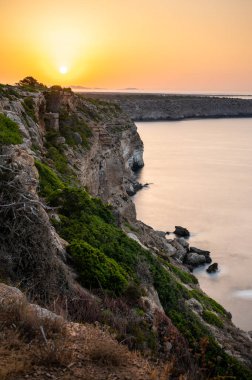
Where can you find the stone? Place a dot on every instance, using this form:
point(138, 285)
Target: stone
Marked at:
point(183, 242)
point(181, 231)
point(10, 296)
point(133, 236)
point(60, 140)
point(199, 251)
point(77, 137)
point(134, 187)
point(161, 233)
point(212, 268)
point(194, 259)
point(181, 252)
point(195, 305)
point(203, 253)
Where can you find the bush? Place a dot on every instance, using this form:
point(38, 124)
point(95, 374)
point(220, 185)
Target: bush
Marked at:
point(109, 353)
point(49, 181)
point(9, 131)
point(212, 318)
point(209, 303)
point(70, 124)
point(184, 276)
point(28, 105)
point(95, 269)
point(31, 84)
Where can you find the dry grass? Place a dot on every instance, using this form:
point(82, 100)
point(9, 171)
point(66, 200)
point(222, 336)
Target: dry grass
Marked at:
point(55, 353)
point(164, 372)
point(109, 353)
point(29, 321)
point(72, 352)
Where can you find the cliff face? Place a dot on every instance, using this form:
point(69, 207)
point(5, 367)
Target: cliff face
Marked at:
point(106, 169)
point(78, 142)
point(105, 166)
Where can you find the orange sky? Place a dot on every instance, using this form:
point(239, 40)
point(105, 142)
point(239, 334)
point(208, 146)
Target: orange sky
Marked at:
point(169, 45)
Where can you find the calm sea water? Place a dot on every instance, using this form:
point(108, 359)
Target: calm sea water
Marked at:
point(201, 178)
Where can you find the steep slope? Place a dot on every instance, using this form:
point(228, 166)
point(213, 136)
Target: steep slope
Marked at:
point(70, 250)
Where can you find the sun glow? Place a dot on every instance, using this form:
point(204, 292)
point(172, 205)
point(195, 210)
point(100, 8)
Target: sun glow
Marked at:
point(63, 70)
point(90, 43)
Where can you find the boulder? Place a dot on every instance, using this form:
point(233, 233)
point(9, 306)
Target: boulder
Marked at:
point(212, 268)
point(183, 242)
point(181, 231)
point(77, 137)
point(194, 259)
point(181, 252)
point(169, 249)
point(161, 233)
point(199, 251)
point(10, 296)
point(203, 253)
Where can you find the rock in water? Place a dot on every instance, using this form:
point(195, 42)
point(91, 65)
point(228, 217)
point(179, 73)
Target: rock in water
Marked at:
point(212, 268)
point(199, 251)
point(194, 259)
point(206, 254)
point(181, 231)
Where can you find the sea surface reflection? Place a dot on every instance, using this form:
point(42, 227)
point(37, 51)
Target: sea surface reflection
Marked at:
point(201, 175)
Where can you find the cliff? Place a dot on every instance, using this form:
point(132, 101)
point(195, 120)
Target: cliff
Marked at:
point(144, 107)
point(89, 257)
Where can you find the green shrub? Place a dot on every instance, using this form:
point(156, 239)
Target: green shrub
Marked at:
point(49, 181)
point(76, 203)
point(69, 125)
point(212, 318)
point(9, 131)
point(209, 303)
point(95, 269)
point(31, 84)
point(8, 91)
point(184, 276)
point(28, 104)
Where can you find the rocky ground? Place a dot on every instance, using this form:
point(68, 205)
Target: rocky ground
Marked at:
point(38, 344)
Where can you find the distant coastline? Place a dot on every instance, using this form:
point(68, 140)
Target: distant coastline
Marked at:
point(162, 107)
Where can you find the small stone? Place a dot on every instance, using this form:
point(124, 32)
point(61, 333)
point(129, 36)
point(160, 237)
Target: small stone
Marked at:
point(212, 268)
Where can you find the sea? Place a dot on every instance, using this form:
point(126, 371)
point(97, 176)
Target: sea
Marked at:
point(200, 177)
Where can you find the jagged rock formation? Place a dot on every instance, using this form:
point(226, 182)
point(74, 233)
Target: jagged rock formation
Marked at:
point(75, 143)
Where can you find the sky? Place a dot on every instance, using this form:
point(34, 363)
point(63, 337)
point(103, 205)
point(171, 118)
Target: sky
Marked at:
point(152, 45)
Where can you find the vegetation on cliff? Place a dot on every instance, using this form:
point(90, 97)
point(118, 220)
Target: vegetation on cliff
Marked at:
point(9, 131)
point(97, 245)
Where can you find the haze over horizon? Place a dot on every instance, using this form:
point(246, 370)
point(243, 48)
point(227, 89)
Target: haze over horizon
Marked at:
point(170, 46)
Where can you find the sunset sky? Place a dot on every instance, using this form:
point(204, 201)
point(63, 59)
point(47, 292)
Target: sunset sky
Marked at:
point(166, 45)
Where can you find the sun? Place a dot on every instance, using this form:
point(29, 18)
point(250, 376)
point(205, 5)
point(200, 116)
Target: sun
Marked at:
point(63, 70)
